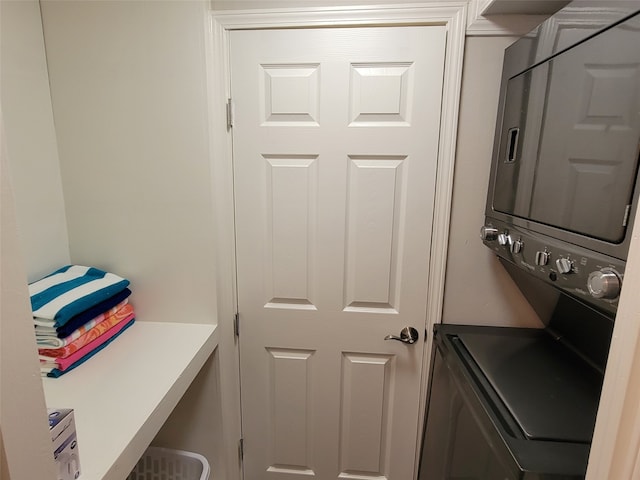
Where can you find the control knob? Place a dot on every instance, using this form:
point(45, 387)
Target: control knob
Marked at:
point(504, 239)
point(488, 233)
point(516, 247)
point(542, 258)
point(604, 283)
point(564, 265)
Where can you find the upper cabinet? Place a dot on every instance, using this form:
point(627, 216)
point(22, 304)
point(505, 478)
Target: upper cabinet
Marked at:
point(518, 7)
point(509, 17)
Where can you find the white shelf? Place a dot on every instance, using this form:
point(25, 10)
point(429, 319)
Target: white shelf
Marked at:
point(124, 394)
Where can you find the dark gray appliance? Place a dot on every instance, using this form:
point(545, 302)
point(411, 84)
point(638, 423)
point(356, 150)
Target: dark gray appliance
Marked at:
point(562, 193)
point(516, 403)
point(508, 404)
point(521, 404)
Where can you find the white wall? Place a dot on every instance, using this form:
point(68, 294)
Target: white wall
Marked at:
point(34, 235)
point(199, 433)
point(478, 290)
point(129, 91)
point(26, 440)
point(31, 141)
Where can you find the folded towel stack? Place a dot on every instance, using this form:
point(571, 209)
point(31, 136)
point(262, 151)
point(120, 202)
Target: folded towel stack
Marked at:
point(77, 311)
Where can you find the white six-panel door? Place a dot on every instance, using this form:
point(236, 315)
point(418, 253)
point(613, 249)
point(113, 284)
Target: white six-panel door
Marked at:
point(335, 143)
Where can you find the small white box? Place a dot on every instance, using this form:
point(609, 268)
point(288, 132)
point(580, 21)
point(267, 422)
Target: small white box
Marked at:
point(62, 426)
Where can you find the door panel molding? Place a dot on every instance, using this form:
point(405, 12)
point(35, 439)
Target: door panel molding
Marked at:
point(374, 199)
point(364, 419)
point(290, 445)
point(450, 14)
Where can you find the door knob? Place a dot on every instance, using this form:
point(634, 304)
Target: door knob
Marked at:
point(408, 335)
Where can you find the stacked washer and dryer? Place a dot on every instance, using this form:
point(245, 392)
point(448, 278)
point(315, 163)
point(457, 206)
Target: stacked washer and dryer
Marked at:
point(518, 403)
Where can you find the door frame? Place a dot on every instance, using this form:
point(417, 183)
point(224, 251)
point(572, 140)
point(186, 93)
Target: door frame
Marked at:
point(453, 16)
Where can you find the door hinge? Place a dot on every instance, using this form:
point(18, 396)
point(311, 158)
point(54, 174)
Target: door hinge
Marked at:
point(236, 324)
point(627, 212)
point(230, 112)
point(241, 449)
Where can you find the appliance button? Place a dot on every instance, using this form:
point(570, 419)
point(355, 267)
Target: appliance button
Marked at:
point(564, 265)
point(488, 233)
point(504, 239)
point(542, 258)
point(604, 283)
point(516, 247)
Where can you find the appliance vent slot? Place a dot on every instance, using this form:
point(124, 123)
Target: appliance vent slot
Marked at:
point(513, 144)
point(627, 211)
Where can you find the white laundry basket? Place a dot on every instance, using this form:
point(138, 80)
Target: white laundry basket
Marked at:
point(167, 464)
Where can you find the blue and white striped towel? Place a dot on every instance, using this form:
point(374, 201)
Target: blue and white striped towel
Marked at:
point(70, 290)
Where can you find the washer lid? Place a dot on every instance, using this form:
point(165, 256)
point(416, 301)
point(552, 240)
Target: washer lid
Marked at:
point(551, 393)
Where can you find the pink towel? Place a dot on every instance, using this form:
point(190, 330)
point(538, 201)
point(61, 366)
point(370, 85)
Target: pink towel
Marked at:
point(104, 325)
point(64, 363)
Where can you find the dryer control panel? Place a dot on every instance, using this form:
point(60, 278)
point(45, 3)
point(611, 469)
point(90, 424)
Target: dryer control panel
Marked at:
point(592, 277)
